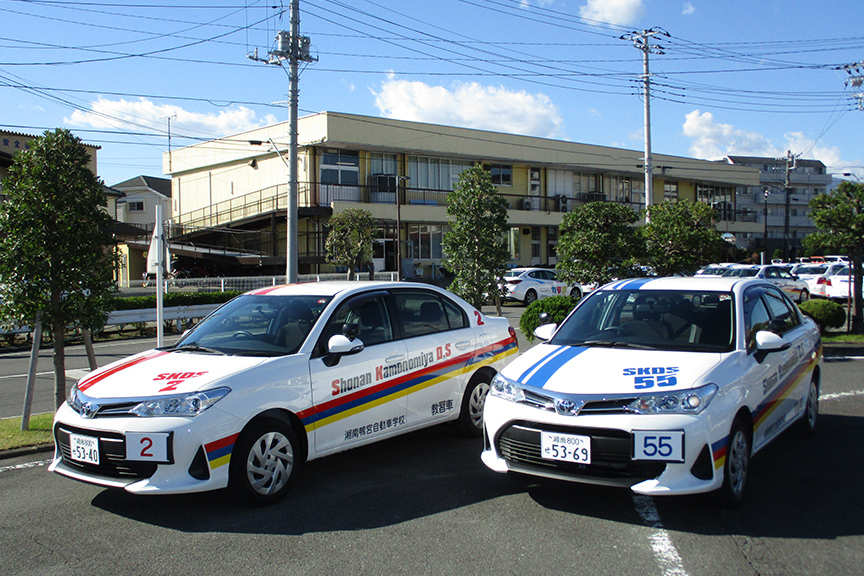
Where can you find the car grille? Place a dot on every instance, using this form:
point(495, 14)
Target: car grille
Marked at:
point(593, 404)
point(112, 454)
point(611, 462)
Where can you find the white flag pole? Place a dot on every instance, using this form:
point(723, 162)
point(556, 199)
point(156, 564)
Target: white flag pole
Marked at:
point(159, 236)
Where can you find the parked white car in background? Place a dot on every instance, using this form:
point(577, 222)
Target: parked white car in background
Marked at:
point(818, 277)
point(792, 286)
point(528, 285)
point(664, 386)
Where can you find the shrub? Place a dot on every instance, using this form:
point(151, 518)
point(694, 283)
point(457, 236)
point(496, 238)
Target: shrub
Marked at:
point(825, 313)
point(174, 299)
point(557, 307)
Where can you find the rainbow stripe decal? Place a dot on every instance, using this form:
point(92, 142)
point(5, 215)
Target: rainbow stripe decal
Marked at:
point(219, 452)
point(379, 394)
point(770, 404)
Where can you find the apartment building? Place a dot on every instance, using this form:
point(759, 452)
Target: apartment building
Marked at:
point(401, 172)
point(784, 218)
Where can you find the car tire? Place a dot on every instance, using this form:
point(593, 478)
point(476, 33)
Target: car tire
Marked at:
point(530, 297)
point(806, 424)
point(805, 295)
point(737, 465)
point(265, 461)
point(470, 422)
point(576, 293)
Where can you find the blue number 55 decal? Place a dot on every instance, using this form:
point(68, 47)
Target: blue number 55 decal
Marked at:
point(644, 378)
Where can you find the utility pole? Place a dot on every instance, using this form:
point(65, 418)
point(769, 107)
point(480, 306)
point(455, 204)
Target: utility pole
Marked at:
point(641, 40)
point(295, 49)
point(787, 189)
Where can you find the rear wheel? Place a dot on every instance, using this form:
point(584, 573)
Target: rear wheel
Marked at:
point(806, 425)
point(470, 420)
point(737, 465)
point(576, 293)
point(265, 461)
point(530, 297)
point(805, 295)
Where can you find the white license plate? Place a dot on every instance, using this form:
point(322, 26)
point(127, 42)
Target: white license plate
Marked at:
point(147, 447)
point(84, 448)
point(565, 447)
point(659, 445)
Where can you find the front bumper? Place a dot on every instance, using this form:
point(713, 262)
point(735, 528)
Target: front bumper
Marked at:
point(197, 456)
point(512, 444)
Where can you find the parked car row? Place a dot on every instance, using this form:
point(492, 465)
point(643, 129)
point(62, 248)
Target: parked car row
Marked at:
point(800, 281)
point(659, 385)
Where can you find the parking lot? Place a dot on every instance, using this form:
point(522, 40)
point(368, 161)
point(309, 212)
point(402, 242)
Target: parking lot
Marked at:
point(425, 504)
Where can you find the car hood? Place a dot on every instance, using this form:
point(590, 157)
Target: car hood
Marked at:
point(162, 372)
point(600, 370)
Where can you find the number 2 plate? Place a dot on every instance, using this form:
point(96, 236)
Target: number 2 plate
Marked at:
point(662, 445)
point(147, 447)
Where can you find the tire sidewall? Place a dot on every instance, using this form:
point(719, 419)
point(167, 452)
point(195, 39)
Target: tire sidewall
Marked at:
point(238, 477)
point(479, 383)
point(733, 495)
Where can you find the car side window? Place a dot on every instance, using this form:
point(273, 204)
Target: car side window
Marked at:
point(783, 315)
point(371, 317)
point(455, 315)
point(756, 315)
point(421, 313)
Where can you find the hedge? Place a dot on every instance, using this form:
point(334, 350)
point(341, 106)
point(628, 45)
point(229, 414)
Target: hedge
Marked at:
point(174, 299)
point(558, 307)
point(825, 313)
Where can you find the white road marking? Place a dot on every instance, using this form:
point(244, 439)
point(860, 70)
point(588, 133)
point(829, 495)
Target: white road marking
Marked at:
point(664, 550)
point(837, 395)
point(74, 374)
point(24, 466)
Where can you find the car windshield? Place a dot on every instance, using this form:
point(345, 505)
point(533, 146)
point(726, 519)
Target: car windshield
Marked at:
point(741, 272)
point(811, 270)
point(256, 326)
point(697, 321)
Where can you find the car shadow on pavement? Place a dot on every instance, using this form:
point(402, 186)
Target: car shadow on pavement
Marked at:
point(412, 476)
point(799, 488)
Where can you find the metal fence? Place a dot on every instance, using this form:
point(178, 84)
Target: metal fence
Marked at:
point(241, 283)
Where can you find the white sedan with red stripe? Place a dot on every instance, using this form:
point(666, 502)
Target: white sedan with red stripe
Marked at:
point(279, 376)
point(664, 386)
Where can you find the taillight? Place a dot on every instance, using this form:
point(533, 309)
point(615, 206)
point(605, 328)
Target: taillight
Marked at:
point(515, 281)
point(513, 335)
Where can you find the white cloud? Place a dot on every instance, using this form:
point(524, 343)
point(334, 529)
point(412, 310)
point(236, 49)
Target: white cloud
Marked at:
point(145, 114)
point(713, 140)
point(688, 9)
point(613, 11)
point(470, 105)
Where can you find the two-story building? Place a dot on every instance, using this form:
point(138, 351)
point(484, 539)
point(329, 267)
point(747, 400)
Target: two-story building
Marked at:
point(401, 172)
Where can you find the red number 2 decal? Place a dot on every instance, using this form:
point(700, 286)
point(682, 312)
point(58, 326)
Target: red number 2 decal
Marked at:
point(479, 318)
point(144, 450)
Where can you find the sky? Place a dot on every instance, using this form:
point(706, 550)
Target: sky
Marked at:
point(727, 78)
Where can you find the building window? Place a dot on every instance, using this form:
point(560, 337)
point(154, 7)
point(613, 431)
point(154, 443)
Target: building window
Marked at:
point(502, 174)
point(670, 191)
point(426, 240)
point(340, 167)
point(434, 173)
point(136, 206)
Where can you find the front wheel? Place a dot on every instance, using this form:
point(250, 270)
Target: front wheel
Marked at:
point(737, 465)
point(470, 420)
point(265, 461)
point(576, 293)
point(805, 295)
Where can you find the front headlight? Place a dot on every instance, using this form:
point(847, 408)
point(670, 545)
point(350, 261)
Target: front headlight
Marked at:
point(507, 389)
point(691, 401)
point(72, 398)
point(180, 404)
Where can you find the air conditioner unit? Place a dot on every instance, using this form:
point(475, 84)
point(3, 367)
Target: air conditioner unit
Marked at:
point(562, 203)
point(526, 204)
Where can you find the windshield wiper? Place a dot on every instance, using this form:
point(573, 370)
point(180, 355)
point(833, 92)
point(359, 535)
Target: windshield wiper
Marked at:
point(617, 344)
point(196, 348)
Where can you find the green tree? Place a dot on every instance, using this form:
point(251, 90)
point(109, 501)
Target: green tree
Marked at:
point(598, 243)
point(349, 242)
point(56, 251)
point(839, 219)
point(474, 248)
point(680, 237)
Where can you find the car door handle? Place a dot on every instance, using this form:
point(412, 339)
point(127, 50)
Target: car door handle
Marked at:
point(463, 344)
point(394, 358)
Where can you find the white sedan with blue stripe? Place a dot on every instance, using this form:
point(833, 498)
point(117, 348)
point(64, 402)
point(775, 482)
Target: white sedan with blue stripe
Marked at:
point(276, 377)
point(663, 386)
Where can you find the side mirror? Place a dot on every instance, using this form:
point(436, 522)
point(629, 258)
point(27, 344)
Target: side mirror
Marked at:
point(340, 345)
point(545, 331)
point(767, 342)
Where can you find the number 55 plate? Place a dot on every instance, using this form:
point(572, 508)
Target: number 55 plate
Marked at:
point(658, 445)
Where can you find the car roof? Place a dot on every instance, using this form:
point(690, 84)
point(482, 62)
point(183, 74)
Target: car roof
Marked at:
point(332, 288)
point(684, 283)
point(523, 270)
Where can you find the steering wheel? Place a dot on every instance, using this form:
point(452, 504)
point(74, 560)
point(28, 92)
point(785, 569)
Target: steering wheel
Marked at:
point(242, 334)
point(617, 331)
